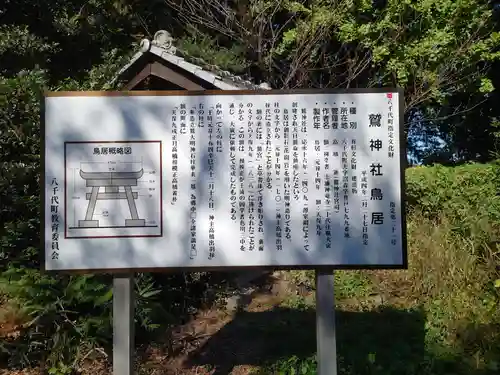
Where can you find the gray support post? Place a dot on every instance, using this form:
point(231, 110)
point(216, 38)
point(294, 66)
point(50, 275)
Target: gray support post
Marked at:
point(123, 324)
point(325, 323)
point(131, 203)
point(92, 202)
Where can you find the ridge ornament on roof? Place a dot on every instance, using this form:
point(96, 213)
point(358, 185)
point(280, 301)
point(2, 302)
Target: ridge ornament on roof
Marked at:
point(160, 55)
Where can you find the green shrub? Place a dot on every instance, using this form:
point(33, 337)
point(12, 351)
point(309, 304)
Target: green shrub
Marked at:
point(291, 366)
point(467, 195)
point(66, 317)
point(454, 265)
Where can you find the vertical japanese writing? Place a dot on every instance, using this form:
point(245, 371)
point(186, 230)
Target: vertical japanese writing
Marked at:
point(201, 115)
point(377, 218)
point(260, 206)
point(325, 117)
point(210, 163)
point(183, 129)
point(295, 152)
point(336, 191)
point(345, 186)
point(192, 162)
point(317, 185)
point(211, 236)
point(316, 117)
point(328, 201)
point(218, 150)
point(260, 177)
point(54, 214)
point(375, 121)
point(211, 181)
point(390, 126)
point(305, 182)
point(175, 157)
point(375, 144)
point(376, 195)
point(354, 182)
point(193, 116)
point(364, 205)
point(286, 172)
point(241, 175)
point(252, 176)
point(392, 206)
point(232, 163)
point(335, 118)
point(269, 150)
point(219, 123)
point(317, 163)
point(344, 117)
point(278, 137)
point(353, 124)
point(335, 177)
point(376, 169)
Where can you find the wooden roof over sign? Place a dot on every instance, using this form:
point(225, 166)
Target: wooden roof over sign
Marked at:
point(160, 58)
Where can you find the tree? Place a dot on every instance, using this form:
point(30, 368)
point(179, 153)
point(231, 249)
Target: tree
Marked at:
point(434, 49)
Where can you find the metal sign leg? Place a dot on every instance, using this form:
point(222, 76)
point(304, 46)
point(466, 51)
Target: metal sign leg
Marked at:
point(325, 323)
point(92, 202)
point(123, 324)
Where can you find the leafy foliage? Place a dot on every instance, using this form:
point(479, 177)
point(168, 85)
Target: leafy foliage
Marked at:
point(467, 195)
point(65, 315)
point(452, 282)
point(66, 318)
point(19, 183)
point(440, 51)
point(444, 53)
point(198, 45)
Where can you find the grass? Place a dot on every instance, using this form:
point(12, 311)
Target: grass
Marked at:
point(441, 316)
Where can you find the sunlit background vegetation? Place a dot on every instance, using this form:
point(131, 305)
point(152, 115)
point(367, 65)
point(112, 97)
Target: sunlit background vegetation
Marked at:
point(441, 316)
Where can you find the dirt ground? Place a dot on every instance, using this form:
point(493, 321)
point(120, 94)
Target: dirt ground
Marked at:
point(215, 342)
point(221, 342)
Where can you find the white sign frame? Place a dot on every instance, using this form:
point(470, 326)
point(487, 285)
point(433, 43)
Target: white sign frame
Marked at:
point(64, 109)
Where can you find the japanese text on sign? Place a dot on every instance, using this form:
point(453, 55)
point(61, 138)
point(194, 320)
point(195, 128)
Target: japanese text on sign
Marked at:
point(274, 179)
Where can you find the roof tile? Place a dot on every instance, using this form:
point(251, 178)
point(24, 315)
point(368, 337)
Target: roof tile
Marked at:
point(213, 74)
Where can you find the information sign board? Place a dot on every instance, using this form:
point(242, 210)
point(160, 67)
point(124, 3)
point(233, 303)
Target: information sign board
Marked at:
point(151, 180)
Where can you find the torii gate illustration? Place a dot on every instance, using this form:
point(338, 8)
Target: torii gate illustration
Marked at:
point(111, 181)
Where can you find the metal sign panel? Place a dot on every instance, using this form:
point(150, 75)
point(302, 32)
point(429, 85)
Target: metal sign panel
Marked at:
point(154, 180)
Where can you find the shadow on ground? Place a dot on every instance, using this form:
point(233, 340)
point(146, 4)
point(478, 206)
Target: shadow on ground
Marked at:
point(388, 341)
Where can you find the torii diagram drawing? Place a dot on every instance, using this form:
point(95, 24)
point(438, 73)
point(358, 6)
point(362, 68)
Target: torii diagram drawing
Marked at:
point(112, 182)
